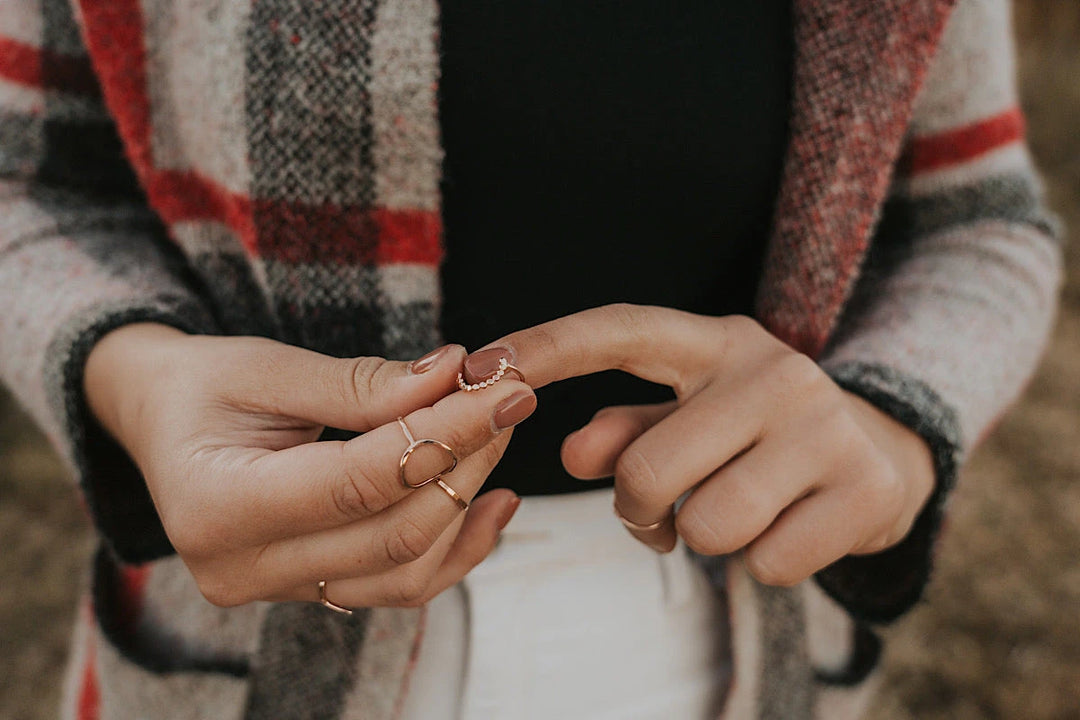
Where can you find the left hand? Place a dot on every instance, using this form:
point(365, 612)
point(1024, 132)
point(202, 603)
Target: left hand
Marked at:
point(780, 462)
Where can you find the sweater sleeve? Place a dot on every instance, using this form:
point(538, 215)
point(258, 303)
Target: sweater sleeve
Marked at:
point(957, 296)
point(80, 254)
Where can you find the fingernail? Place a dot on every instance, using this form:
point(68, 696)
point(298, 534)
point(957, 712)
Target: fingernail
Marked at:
point(508, 512)
point(422, 365)
point(662, 547)
point(482, 364)
point(513, 410)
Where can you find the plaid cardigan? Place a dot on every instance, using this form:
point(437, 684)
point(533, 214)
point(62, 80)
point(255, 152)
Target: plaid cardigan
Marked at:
point(272, 168)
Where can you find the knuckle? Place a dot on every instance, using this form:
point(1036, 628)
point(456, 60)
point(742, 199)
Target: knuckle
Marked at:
point(410, 590)
point(741, 325)
point(463, 433)
point(888, 485)
point(797, 375)
point(359, 381)
point(768, 569)
point(492, 453)
point(407, 542)
point(222, 591)
point(628, 317)
point(879, 543)
point(192, 540)
point(699, 533)
point(634, 474)
point(356, 495)
point(550, 343)
point(846, 450)
point(883, 494)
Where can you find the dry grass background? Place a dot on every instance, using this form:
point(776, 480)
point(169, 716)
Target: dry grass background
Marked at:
point(1000, 634)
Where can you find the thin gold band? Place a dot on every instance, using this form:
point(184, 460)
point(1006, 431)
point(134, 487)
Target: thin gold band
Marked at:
point(453, 494)
point(631, 525)
point(328, 603)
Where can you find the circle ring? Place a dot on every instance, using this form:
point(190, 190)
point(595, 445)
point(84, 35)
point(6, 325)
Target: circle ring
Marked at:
point(413, 445)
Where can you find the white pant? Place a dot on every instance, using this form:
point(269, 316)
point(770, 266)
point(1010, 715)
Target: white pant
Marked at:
point(570, 617)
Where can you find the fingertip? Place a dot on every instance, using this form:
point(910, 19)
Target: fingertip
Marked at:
point(508, 512)
point(570, 452)
point(586, 455)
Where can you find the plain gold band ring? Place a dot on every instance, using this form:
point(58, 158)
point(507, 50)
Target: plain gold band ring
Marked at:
point(631, 525)
point(462, 503)
point(328, 603)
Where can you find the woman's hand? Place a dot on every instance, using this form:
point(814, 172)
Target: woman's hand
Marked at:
point(224, 431)
point(780, 462)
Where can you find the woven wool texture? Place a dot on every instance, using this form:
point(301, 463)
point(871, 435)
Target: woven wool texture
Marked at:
point(272, 168)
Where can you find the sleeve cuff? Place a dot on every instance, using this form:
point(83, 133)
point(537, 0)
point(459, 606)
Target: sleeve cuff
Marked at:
point(116, 495)
point(881, 587)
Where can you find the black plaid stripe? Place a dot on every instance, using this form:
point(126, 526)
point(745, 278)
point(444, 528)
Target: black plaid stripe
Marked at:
point(310, 141)
point(786, 690)
point(1008, 197)
point(308, 111)
point(306, 663)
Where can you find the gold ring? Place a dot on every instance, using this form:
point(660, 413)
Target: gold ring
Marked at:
point(413, 445)
point(462, 503)
point(504, 367)
point(327, 602)
point(631, 525)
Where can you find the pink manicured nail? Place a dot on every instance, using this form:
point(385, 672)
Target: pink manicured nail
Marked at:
point(482, 364)
point(513, 410)
point(422, 365)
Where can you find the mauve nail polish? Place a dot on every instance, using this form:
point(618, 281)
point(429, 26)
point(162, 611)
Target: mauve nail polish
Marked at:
point(513, 410)
point(482, 364)
point(422, 365)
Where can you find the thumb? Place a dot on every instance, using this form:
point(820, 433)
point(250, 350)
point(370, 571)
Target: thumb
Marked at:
point(356, 394)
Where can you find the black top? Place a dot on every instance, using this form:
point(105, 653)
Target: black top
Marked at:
point(604, 151)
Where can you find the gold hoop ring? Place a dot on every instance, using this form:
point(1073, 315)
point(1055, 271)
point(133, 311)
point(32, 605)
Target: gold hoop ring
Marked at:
point(504, 367)
point(437, 477)
point(330, 604)
point(631, 525)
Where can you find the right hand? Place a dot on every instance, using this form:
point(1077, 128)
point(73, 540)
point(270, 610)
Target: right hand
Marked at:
point(224, 430)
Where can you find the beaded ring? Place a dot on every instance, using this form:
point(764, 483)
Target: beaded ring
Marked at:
point(504, 367)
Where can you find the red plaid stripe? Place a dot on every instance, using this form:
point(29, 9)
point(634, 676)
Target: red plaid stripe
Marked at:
point(960, 145)
point(40, 68)
point(302, 232)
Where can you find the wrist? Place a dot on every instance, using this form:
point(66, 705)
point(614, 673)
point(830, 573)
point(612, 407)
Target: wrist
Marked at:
point(118, 373)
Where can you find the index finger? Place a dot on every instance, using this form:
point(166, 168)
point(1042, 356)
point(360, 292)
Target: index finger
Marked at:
point(661, 345)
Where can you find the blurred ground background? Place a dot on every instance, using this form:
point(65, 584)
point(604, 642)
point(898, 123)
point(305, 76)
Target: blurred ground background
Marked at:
point(1000, 634)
